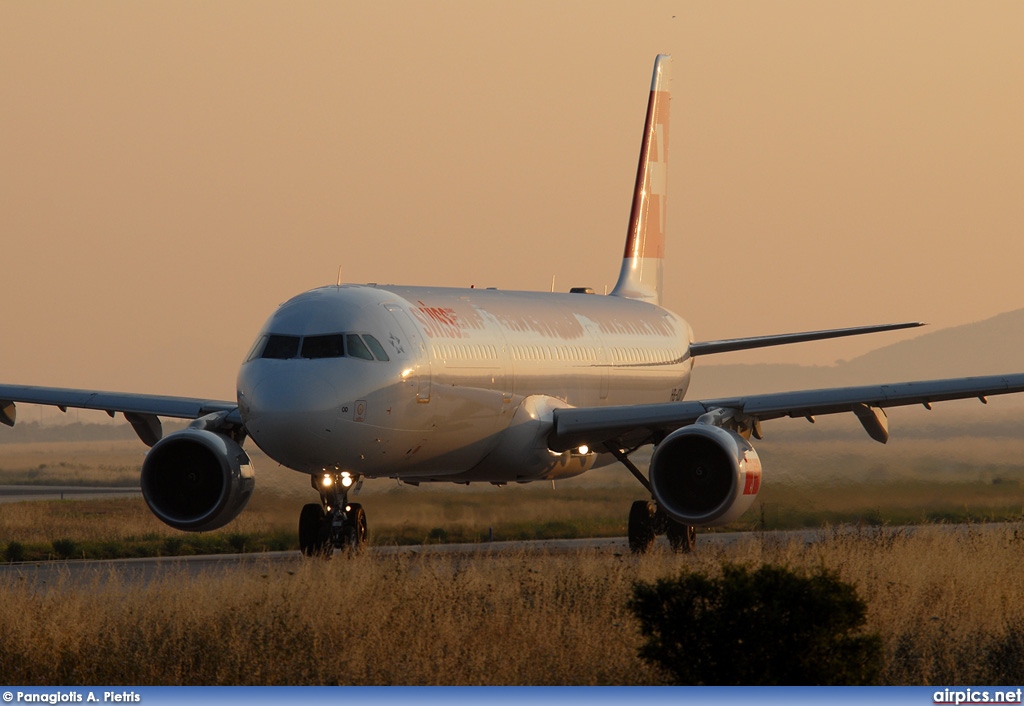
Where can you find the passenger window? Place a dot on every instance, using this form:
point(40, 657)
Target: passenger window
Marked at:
point(330, 346)
point(281, 347)
point(358, 349)
point(376, 347)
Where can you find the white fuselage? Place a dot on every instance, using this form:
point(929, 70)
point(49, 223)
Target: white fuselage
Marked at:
point(469, 382)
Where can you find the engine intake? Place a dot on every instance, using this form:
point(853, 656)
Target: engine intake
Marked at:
point(705, 475)
point(197, 480)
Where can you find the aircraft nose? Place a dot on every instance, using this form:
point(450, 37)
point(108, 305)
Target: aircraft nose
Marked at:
point(288, 413)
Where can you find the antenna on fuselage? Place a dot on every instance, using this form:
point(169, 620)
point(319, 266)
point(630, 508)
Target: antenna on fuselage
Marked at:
point(553, 283)
point(339, 275)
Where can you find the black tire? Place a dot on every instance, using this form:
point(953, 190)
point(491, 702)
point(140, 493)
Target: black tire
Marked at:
point(642, 528)
point(355, 529)
point(682, 538)
point(313, 540)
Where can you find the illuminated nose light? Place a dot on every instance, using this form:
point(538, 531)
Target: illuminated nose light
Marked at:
point(326, 481)
point(346, 479)
point(584, 449)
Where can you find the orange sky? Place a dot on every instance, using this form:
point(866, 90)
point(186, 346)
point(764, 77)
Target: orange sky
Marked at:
point(171, 171)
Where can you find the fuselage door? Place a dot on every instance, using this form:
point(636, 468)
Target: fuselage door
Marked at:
point(407, 342)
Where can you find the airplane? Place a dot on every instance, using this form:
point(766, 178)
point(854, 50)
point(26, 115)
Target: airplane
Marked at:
point(428, 384)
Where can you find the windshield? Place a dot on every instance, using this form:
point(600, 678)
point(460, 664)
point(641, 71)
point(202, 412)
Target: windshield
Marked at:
point(332, 345)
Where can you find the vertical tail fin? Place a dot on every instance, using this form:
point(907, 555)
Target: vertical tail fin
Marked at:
point(640, 276)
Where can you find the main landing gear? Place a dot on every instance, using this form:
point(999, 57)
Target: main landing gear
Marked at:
point(334, 522)
point(647, 521)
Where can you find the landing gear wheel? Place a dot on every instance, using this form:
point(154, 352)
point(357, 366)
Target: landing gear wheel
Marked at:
point(681, 537)
point(642, 527)
point(313, 537)
point(355, 529)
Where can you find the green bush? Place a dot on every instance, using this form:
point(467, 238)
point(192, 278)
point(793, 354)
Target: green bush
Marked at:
point(766, 627)
point(15, 551)
point(237, 541)
point(65, 549)
point(171, 546)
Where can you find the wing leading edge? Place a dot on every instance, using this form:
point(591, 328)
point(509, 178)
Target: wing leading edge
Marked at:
point(742, 344)
point(632, 425)
point(143, 412)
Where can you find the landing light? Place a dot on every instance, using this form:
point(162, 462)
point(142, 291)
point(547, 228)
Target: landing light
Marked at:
point(346, 479)
point(584, 449)
point(326, 481)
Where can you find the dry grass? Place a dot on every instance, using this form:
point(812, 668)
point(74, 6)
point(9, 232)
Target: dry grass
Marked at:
point(95, 463)
point(393, 620)
point(948, 603)
point(430, 515)
point(800, 490)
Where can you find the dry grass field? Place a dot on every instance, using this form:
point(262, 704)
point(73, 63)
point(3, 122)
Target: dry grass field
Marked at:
point(115, 527)
point(814, 475)
point(86, 462)
point(948, 603)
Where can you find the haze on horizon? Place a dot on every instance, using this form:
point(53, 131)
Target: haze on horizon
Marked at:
point(173, 171)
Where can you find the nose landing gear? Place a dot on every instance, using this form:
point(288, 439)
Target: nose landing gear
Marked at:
point(334, 522)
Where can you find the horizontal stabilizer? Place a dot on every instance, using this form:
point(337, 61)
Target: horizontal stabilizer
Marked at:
point(741, 344)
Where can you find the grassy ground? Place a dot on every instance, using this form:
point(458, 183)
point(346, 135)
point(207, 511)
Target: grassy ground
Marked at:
point(949, 605)
point(120, 527)
point(92, 463)
point(809, 481)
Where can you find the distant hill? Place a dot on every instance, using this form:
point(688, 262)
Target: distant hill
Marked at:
point(988, 347)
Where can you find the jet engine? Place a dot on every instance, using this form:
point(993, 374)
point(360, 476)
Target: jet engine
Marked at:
point(704, 475)
point(197, 480)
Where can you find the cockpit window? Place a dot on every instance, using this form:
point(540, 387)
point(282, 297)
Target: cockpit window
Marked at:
point(257, 349)
point(358, 349)
point(331, 346)
point(281, 347)
point(375, 346)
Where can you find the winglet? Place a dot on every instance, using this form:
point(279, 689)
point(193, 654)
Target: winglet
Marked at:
point(640, 276)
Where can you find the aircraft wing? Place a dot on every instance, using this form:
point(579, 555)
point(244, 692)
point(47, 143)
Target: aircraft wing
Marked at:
point(142, 411)
point(634, 425)
point(699, 348)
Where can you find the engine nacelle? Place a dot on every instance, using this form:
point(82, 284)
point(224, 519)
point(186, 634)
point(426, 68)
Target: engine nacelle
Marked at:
point(197, 480)
point(705, 475)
